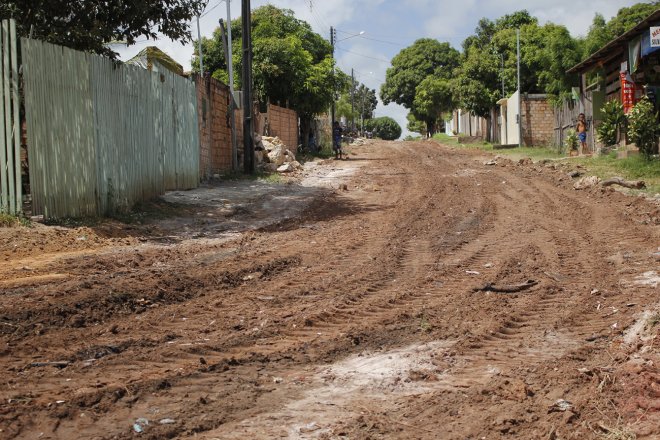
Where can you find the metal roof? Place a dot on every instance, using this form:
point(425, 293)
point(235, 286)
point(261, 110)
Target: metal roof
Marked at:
point(611, 48)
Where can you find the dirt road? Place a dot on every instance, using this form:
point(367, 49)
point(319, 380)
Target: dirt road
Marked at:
point(410, 292)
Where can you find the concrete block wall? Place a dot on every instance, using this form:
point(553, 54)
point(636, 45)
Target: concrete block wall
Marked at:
point(538, 121)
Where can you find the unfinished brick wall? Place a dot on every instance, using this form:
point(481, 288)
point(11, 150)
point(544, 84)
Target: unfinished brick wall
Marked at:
point(538, 127)
point(283, 123)
point(214, 130)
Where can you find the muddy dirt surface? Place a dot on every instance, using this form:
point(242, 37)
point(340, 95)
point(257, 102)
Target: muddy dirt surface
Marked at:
point(410, 292)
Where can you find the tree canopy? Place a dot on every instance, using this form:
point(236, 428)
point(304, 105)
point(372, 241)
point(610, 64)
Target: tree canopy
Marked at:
point(364, 102)
point(418, 79)
point(291, 63)
point(489, 61)
point(89, 25)
point(385, 128)
point(602, 31)
point(412, 65)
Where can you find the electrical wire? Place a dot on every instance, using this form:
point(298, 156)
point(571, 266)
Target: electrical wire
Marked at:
point(209, 10)
point(357, 34)
point(364, 56)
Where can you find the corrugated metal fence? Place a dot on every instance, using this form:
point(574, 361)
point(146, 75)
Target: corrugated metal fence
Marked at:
point(102, 135)
point(11, 199)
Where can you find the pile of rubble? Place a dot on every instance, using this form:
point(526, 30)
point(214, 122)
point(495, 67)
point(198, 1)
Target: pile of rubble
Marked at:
point(272, 155)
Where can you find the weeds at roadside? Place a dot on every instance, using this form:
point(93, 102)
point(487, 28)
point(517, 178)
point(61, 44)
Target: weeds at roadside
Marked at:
point(8, 221)
point(615, 432)
point(424, 324)
point(654, 320)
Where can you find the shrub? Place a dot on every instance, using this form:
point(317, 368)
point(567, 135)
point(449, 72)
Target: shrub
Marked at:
point(613, 119)
point(571, 141)
point(643, 127)
point(384, 127)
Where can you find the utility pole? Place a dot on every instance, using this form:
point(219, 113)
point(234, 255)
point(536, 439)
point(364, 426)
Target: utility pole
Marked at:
point(226, 43)
point(503, 94)
point(352, 100)
point(199, 46)
point(248, 142)
point(332, 107)
point(519, 91)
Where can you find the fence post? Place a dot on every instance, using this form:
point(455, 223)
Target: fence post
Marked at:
point(11, 198)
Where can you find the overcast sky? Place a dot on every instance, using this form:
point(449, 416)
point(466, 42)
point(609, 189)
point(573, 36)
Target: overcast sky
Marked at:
point(391, 25)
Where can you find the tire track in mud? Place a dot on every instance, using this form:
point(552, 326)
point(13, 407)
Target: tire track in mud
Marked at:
point(410, 263)
point(489, 355)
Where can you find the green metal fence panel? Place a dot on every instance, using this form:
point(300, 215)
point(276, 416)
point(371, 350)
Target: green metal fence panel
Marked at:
point(4, 122)
point(144, 139)
point(60, 128)
point(11, 197)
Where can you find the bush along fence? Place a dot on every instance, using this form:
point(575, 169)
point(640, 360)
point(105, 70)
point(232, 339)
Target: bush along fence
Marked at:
point(11, 196)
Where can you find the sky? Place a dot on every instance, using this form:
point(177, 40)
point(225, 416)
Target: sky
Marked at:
point(389, 26)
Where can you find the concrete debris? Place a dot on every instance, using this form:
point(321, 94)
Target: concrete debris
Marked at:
point(286, 168)
point(587, 182)
point(561, 405)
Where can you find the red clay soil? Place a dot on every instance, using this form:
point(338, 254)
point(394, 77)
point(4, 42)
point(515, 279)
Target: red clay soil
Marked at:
point(371, 314)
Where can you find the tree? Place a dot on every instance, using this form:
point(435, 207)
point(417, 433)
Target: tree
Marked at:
point(291, 63)
point(412, 65)
point(597, 37)
point(385, 128)
point(356, 101)
point(89, 25)
point(602, 32)
point(415, 125)
point(433, 96)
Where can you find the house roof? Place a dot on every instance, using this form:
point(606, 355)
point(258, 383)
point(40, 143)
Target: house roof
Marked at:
point(147, 56)
point(615, 46)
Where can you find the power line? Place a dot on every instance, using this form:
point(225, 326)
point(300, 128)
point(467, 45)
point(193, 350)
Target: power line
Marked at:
point(363, 55)
point(373, 39)
point(209, 10)
point(311, 8)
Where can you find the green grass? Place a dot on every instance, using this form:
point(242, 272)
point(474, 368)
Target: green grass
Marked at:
point(631, 168)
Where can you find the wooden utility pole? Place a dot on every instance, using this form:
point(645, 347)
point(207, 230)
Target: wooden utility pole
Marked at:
point(248, 141)
point(332, 107)
point(226, 42)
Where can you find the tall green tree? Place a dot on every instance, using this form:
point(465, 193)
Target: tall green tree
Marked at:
point(601, 32)
point(489, 60)
point(292, 65)
point(88, 25)
point(433, 96)
point(426, 57)
point(418, 80)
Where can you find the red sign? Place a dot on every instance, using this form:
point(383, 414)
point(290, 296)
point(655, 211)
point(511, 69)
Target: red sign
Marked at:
point(627, 93)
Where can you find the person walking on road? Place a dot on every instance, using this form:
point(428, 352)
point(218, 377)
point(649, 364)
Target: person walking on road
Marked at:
point(336, 139)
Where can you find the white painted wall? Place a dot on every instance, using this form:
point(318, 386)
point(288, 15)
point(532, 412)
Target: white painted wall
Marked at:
point(512, 131)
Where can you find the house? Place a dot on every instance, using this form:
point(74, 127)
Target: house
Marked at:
point(624, 69)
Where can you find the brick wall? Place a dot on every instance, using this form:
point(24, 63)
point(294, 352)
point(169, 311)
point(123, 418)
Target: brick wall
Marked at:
point(214, 127)
point(538, 127)
point(214, 130)
point(283, 123)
